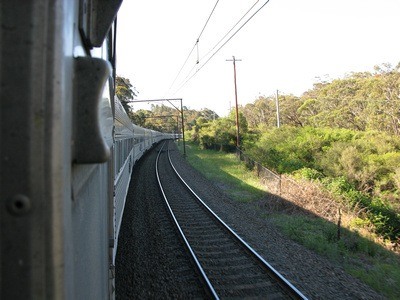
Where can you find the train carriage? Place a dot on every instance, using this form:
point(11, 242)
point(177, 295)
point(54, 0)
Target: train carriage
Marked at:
point(67, 149)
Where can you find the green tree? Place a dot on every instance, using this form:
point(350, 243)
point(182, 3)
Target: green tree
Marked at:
point(359, 101)
point(219, 134)
point(261, 112)
point(289, 106)
point(125, 92)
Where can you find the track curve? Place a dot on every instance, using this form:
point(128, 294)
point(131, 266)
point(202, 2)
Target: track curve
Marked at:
point(229, 266)
point(151, 262)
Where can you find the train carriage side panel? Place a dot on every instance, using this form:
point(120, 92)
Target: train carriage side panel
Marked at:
point(92, 187)
point(54, 227)
point(35, 237)
point(139, 142)
point(124, 158)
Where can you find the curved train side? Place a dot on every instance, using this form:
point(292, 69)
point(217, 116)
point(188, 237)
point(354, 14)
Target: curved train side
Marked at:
point(131, 143)
point(67, 149)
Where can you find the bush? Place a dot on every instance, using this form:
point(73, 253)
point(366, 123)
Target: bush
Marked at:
point(385, 220)
point(308, 173)
point(358, 167)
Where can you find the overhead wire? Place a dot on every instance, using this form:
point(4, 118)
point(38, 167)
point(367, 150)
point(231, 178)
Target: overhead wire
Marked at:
point(196, 44)
point(233, 27)
point(209, 17)
point(187, 79)
point(215, 46)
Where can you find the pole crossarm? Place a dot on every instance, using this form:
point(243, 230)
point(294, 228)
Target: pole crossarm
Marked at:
point(234, 59)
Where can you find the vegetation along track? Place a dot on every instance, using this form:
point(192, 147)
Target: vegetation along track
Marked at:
point(229, 266)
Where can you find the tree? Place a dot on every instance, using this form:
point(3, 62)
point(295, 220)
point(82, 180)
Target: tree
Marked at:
point(125, 92)
point(289, 110)
point(360, 101)
point(261, 112)
point(139, 117)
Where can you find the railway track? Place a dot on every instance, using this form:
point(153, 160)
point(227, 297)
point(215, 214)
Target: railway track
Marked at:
point(229, 267)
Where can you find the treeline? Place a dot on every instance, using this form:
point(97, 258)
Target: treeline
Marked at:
point(361, 101)
point(168, 119)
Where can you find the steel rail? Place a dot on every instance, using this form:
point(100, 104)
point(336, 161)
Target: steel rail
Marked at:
point(194, 257)
point(289, 287)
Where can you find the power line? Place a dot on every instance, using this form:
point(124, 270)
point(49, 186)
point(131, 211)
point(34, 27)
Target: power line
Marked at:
point(212, 49)
point(231, 29)
point(185, 82)
point(196, 44)
point(209, 17)
point(234, 34)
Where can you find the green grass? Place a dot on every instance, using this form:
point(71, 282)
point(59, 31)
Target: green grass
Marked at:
point(227, 172)
point(360, 257)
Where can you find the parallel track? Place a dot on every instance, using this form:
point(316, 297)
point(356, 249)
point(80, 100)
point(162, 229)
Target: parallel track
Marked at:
point(230, 268)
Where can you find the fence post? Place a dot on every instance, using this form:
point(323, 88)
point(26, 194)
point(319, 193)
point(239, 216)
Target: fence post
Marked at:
point(280, 185)
point(339, 223)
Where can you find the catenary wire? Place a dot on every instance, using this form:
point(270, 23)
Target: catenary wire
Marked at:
point(215, 46)
point(194, 46)
point(185, 82)
point(205, 25)
point(233, 27)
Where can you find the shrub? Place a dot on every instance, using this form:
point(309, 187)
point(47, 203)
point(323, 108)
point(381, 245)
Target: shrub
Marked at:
point(358, 167)
point(308, 173)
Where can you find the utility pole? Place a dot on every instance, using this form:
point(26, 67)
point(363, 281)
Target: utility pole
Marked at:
point(236, 100)
point(278, 122)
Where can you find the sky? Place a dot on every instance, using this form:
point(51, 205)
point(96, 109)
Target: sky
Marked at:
point(287, 46)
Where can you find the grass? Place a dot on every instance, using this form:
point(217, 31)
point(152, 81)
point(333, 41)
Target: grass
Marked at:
point(224, 169)
point(359, 256)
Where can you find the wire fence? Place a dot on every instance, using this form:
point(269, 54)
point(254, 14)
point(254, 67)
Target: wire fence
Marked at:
point(306, 195)
point(267, 177)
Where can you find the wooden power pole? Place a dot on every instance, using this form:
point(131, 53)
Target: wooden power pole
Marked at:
point(236, 100)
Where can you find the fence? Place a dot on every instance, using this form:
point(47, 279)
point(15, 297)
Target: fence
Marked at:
point(267, 177)
point(305, 195)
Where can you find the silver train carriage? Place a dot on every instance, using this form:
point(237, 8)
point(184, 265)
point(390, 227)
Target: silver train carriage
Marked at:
point(67, 149)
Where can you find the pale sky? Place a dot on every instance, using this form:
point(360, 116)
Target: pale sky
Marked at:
point(286, 46)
